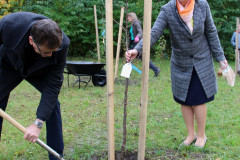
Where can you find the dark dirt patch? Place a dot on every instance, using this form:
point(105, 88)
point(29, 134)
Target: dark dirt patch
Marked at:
point(168, 154)
point(127, 155)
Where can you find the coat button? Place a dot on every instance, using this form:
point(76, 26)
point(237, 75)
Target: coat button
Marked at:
point(191, 56)
point(190, 40)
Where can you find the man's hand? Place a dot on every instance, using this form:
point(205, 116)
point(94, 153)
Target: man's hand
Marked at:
point(131, 54)
point(32, 133)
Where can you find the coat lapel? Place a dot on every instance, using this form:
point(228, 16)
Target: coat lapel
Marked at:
point(183, 26)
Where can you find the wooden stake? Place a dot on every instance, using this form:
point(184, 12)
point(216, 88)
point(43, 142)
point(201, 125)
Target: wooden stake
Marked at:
point(237, 53)
point(144, 91)
point(97, 38)
point(110, 82)
point(125, 95)
point(119, 41)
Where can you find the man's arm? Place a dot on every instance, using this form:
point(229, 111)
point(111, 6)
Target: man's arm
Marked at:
point(52, 84)
point(53, 80)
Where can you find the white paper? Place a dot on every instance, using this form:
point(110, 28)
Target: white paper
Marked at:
point(126, 70)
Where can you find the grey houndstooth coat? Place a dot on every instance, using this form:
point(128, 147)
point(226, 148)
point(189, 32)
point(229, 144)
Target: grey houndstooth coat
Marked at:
point(189, 50)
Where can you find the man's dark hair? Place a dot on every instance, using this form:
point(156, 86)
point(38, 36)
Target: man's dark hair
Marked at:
point(47, 32)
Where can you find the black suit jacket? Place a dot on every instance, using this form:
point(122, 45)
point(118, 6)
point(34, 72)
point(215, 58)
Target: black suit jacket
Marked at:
point(14, 55)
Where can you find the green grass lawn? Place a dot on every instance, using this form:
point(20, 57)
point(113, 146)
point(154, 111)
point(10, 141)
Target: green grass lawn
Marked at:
point(84, 114)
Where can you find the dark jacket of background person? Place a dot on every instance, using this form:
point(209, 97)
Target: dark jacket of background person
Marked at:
point(189, 50)
point(137, 31)
point(233, 39)
point(14, 33)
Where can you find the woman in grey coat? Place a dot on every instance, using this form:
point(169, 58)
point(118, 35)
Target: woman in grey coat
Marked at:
point(136, 35)
point(194, 42)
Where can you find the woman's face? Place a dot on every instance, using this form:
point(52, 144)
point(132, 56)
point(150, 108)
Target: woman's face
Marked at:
point(129, 18)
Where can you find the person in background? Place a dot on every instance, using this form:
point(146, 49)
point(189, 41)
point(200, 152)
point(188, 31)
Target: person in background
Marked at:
point(34, 48)
point(233, 41)
point(136, 35)
point(193, 39)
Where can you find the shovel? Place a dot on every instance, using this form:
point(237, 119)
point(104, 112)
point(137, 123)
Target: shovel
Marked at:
point(23, 130)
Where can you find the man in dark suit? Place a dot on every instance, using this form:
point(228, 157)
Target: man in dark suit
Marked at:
point(34, 48)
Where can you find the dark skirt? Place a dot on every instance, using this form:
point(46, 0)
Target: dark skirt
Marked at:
point(196, 94)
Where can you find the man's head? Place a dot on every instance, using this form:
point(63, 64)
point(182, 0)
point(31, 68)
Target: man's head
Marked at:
point(45, 37)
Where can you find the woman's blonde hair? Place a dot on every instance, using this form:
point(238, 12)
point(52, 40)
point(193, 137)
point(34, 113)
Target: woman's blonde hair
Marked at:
point(133, 16)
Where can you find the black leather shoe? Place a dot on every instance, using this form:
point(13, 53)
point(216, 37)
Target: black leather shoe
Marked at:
point(157, 73)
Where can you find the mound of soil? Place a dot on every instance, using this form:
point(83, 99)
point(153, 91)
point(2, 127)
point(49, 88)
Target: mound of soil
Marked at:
point(168, 154)
point(127, 155)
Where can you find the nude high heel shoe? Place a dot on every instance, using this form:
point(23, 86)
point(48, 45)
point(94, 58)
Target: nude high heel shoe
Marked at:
point(198, 146)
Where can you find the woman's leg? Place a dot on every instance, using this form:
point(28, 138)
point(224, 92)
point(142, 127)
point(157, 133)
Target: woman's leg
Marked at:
point(188, 115)
point(200, 112)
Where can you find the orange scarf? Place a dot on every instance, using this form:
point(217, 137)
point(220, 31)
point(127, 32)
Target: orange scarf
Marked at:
point(187, 10)
point(186, 13)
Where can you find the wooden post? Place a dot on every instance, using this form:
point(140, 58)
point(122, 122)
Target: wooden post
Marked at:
point(119, 41)
point(97, 38)
point(110, 82)
point(237, 53)
point(145, 76)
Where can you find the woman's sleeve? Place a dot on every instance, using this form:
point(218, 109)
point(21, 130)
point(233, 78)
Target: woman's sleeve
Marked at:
point(157, 30)
point(139, 30)
point(212, 36)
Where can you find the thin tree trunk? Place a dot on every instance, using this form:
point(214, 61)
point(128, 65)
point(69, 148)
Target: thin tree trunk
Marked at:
point(125, 117)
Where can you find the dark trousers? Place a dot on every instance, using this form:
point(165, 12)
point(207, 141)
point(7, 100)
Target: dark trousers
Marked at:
point(9, 79)
point(151, 65)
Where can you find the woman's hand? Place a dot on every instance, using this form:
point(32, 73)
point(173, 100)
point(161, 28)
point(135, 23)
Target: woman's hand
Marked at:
point(131, 54)
point(223, 64)
point(136, 39)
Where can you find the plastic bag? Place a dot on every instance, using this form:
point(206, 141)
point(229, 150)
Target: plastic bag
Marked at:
point(230, 75)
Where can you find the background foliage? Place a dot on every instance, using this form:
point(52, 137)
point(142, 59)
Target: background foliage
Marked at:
point(76, 18)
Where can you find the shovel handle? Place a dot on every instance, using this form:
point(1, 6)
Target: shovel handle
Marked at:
point(23, 130)
point(12, 121)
